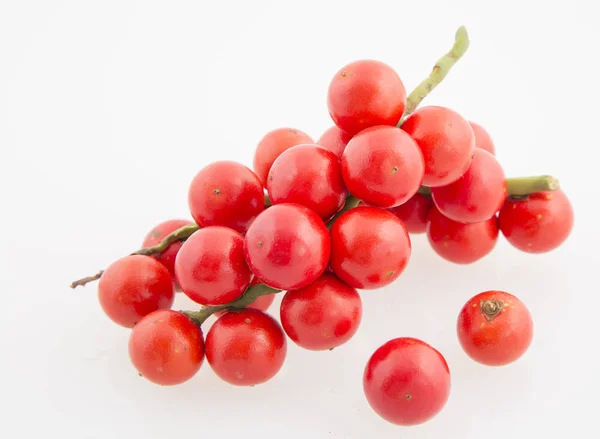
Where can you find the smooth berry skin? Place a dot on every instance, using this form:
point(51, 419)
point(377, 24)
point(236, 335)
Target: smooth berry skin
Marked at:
point(414, 213)
point(538, 224)
point(370, 247)
point(166, 348)
point(335, 140)
point(365, 93)
point(309, 175)
point(446, 140)
point(322, 315)
point(477, 195)
point(483, 139)
point(211, 268)
point(407, 382)
point(272, 146)
point(382, 166)
point(495, 328)
point(461, 243)
point(287, 247)
point(133, 287)
point(246, 347)
point(226, 193)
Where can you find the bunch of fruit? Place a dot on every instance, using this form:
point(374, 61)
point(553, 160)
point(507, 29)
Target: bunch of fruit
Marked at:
point(321, 220)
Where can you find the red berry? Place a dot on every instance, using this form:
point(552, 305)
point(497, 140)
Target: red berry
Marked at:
point(246, 347)
point(414, 213)
point(335, 140)
point(370, 247)
point(226, 194)
point(459, 242)
point(272, 145)
point(477, 195)
point(133, 287)
point(538, 224)
point(382, 166)
point(494, 328)
point(366, 93)
point(211, 268)
point(446, 141)
point(406, 381)
point(287, 247)
point(166, 347)
point(483, 139)
point(309, 175)
point(322, 315)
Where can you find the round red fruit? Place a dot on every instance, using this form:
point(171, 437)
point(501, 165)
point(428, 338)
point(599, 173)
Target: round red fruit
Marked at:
point(335, 140)
point(309, 175)
point(483, 139)
point(407, 382)
point(414, 213)
point(287, 247)
point(382, 166)
point(322, 315)
point(166, 348)
point(156, 235)
point(133, 287)
point(365, 93)
point(477, 195)
point(210, 267)
point(370, 247)
point(446, 140)
point(226, 194)
point(495, 328)
point(272, 145)
point(246, 347)
point(538, 224)
point(459, 242)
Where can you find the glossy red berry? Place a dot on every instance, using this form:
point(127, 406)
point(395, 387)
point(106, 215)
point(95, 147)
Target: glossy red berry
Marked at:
point(166, 348)
point(459, 242)
point(246, 347)
point(335, 140)
point(133, 287)
point(483, 139)
point(366, 93)
point(322, 315)
point(370, 247)
point(477, 195)
point(446, 140)
point(287, 246)
point(210, 267)
point(406, 381)
point(309, 175)
point(414, 213)
point(495, 328)
point(272, 145)
point(226, 194)
point(538, 224)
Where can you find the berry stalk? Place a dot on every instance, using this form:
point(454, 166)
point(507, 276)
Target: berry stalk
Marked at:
point(519, 187)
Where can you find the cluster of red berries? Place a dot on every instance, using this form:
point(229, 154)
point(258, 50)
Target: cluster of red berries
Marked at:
point(321, 220)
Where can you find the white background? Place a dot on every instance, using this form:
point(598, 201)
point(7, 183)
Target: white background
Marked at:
point(109, 108)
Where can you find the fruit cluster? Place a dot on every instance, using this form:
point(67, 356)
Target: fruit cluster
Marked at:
point(321, 220)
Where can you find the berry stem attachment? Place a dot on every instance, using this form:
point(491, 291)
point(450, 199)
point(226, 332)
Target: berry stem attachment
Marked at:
point(351, 203)
point(523, 186)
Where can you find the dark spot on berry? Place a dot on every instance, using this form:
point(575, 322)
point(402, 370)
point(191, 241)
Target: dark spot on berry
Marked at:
point(344, 74)
point(217, 191)
point(271, 177)
point(330, 349)
point(390, 273)
point(408, 396)
point(395, 169)
point(259, 243)
point(139, 374)
point(247, 321)
point(473, 156)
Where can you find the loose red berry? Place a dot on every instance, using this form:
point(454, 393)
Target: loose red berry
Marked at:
point(382, 166)
point(210, 267)
point(309, 175)
point(133, 287)
point(166, 348)
point(366, 93)
point(459, 242)
point(538, 224)
point(370, 247)
point(246, 347)
point(483, 139)
point(272, 145)
point(335, 140)
point(495, 328)
point(226, 194)
point(446, 140)
point(322, 315)
point(477, 195)
point(414, 213)
point(407, 382)
point(287, 246)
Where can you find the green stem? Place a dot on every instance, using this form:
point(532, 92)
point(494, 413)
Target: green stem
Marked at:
point(351, 203)
point(523, 186)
